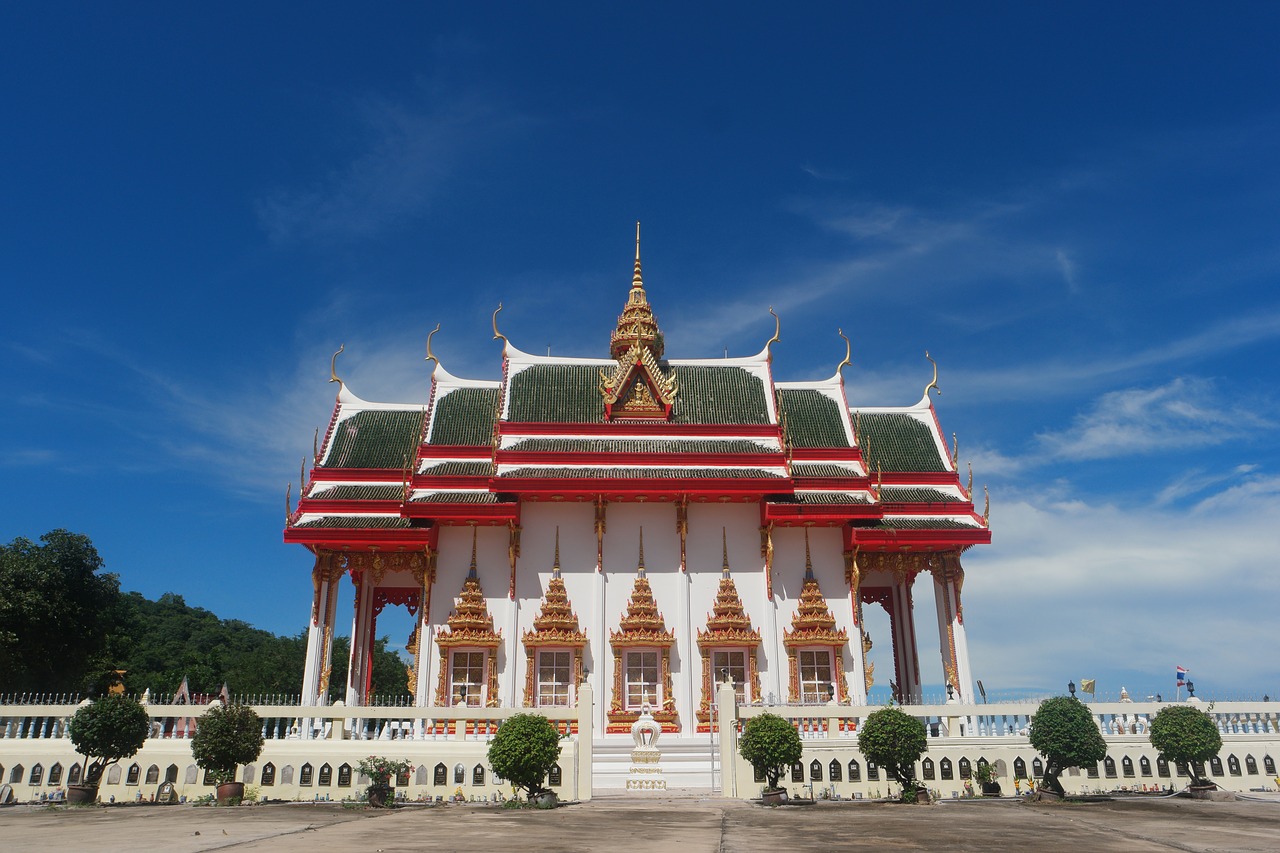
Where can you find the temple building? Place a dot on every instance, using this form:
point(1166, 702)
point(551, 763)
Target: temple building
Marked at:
point(646, 524)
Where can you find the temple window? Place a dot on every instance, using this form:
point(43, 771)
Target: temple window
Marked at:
point(268, 775)
point(402, 779)
point(1144, 766)
point(735, 661)
point(757, 774)
point(797, 772)
point(208, 778)
point(171, 773)
point(1233, 765)
point(440, 776)
point(15, 775)
point(1126, 765)
point(305, 774)
point(1109, 766)
point(926, 769)
point(1037, 768)
point(73, 777)
point(326, 776)
point(477, 775)
point(37, 775)
point(855, 770)
point(1215, 765)
point(459, 774)
point(966, 769)
point(344, 776)
point(1092, 770)
point(555, 676)
point(555, 777)
point(944, 769)
point(467, 677)
point(1251, 765)
point(1019, 768)
point(55, 774)
point(835, 769)
point(642, 679)
point(815, 675)
point(873, 772)
point(815, 771)
point(135, 772)
point(1269, 764)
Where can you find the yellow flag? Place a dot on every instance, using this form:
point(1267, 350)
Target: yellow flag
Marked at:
point(1087, 685)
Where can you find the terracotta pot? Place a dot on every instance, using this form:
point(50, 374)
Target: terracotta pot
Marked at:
point(80, 795)
point(377, 796)
point(773, 798)
point(990, 789)
point(922, 796)
point(230, 793)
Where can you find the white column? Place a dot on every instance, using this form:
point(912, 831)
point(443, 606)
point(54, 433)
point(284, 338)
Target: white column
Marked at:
point(600, 653)
point(357, 670)
point(684, 646)
point(512, 652)
point(951, 636)
point(858, 677)
point(315, 635)
point(910, 655)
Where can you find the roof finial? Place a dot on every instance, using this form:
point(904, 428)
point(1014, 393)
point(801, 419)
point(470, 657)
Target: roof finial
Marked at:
point(848, 351)
point(970, 489)
point(777, 330)
point(724, 550)
point(333, 365)
point(555, 566)
point(635, 277)
point(430, 355)
point(471, 573)
point(496, 334)
point(986, 508)
point(288, 504)
point(640, 564)
point(315, 447)
point(808, 563)
point(934, 383)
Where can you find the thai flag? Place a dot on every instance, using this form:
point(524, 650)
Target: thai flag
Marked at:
point(1182, 676)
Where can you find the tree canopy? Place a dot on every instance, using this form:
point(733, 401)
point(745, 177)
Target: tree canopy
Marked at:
point(524, 750)
point(56, 614)
point(1186, 735)
point(770, 744)
point(895, 741)
point(1064, 732)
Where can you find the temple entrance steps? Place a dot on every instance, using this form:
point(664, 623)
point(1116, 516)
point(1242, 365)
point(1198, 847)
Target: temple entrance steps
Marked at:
point(686, 763)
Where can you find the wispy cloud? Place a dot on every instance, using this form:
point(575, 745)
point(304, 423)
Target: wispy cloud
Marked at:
point(410, 151)
point(1184, 413)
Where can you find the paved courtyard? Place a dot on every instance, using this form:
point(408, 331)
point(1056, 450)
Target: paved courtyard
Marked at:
point(655, 823)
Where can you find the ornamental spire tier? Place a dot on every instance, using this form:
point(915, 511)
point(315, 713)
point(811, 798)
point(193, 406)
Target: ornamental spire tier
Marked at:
point(730, 641)
point(637, 387)
point(642, 660)
point(555, 629)
point(469, 628)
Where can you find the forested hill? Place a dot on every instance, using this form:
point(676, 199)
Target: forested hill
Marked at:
point(64, 624)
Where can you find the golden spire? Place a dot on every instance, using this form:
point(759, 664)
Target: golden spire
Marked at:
point(471, 573)
point(555, 565)
point(640, 564)
point(934, 383)
point(636, 325)
point(724, 550)
point(808, 563)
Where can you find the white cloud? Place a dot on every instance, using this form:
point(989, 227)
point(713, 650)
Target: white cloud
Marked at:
point(1092, 589)
point(1183, 413)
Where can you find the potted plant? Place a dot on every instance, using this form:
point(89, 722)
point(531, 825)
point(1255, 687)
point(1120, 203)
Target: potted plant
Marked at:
point(226, 737)
point(380, 771)
point(895, 740)
point(770, 744)
point(523, 751)
point(104, 731)
point(986, 775)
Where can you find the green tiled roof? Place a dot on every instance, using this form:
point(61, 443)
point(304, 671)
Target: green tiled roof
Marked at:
point(375, 439)
point(899, 443)
point(465, 416)
point(457, 498)
point(639, 445)
point(819, 469)
point(570, 393)
point(641, 473)
point(828, 498)
point(370, 521)
point(460, 468)
point(358, 493)
point(903, 494)
point(813, 419)
point(925, 524)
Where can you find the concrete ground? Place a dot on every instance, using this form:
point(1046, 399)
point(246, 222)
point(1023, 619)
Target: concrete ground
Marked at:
point(655, 823)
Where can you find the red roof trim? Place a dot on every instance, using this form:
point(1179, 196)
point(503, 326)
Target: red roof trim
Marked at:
point(644, 429)
point(618, 460)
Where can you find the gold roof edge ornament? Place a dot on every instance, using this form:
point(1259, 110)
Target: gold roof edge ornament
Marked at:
point(955, 451)
point(986, 508)
point(934, 383)
point(497, 336)
point(848, 351)
point(430, 355)
point(315, 447)
point(777, 332)
point(970, 489)
point(288, 505)
point(333, 367)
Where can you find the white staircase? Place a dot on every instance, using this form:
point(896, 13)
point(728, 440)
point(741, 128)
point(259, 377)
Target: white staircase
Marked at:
point(686, 763)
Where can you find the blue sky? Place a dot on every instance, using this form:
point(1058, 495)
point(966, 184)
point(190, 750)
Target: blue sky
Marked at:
point(1074, 207)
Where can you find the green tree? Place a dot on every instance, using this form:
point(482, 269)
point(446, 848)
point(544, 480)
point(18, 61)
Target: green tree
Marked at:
point(895, 741)
point(106, 730)
point(226, 736)
point(1064, 732)
point(56, 612)
point(1186, 735)
point(524, 750)
point(770, 744)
